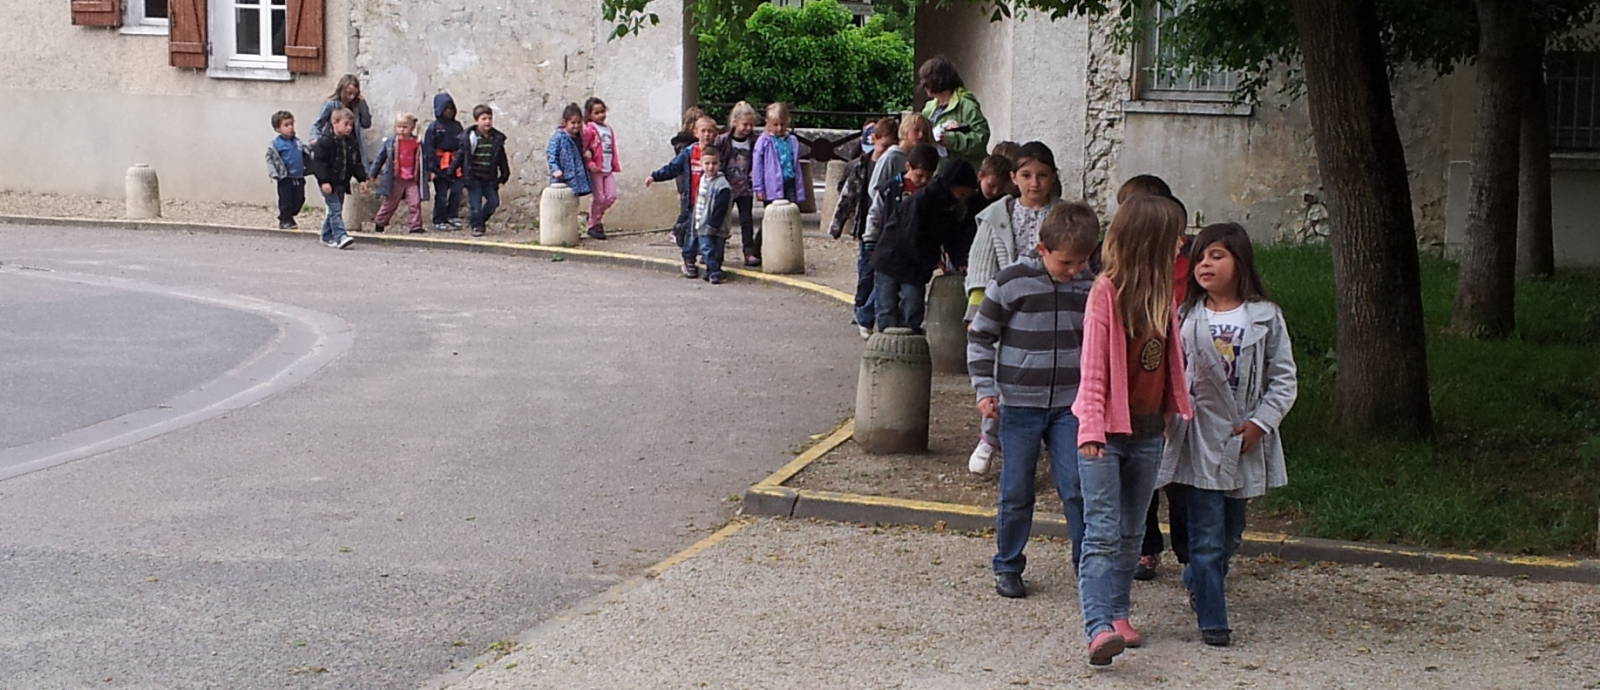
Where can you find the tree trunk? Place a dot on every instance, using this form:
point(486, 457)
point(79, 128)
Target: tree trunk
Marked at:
point(1382, 380)
point(1486, 288)
point(1536, 249)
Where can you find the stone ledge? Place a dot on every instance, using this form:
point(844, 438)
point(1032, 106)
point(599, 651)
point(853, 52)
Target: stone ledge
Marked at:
point(1204, 108)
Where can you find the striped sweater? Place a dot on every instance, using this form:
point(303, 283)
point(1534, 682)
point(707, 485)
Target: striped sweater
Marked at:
point(1023, 343)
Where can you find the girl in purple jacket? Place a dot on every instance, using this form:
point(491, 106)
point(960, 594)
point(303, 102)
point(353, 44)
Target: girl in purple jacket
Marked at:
point(775, 165)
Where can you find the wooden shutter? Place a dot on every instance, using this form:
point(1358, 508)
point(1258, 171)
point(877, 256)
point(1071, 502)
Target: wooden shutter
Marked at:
point(186, 44)
point(303, 44)
point(97, 12)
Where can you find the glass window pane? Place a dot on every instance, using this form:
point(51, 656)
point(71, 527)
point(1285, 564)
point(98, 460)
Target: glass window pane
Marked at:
point(278, 17)
point(155, 9)
point(247, 36)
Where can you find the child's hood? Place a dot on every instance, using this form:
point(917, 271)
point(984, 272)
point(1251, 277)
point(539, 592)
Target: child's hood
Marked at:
point(441, 102)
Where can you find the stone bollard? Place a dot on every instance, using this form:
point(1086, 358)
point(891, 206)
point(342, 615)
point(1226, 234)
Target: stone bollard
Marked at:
point(947, 329)
point(893, 392)
point(143, 192)
point(359, 208)
point(782, 247)
point(558, 216)
point(809, 205)
point(830, 192)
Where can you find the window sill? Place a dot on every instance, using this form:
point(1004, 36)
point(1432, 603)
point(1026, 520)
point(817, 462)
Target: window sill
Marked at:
point(252, 73)
point(1575, 160)
point(144, 30)
point(1205, 108)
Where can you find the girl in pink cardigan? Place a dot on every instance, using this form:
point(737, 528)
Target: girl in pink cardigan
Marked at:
point(600, 154)
point(1131, 380)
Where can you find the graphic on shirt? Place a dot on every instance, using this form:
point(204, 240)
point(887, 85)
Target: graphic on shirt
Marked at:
point(1226, 338)
point(1150, 354)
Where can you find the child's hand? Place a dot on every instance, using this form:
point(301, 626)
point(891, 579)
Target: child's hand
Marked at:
point(649, 181)
point(365, 186)
point(989, 407)
point(1252, 436)
point(1092, 450)
point(761, 197)
point(327, 188)
point(556, 174)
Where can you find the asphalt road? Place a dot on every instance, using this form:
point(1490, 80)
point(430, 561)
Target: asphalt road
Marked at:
point(484, 441)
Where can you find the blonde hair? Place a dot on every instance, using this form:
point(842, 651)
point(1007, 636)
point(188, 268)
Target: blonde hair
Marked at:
point(740, 111)
point(408, 119)
point(778, 111)
point(916, 122)
point(1140, 250)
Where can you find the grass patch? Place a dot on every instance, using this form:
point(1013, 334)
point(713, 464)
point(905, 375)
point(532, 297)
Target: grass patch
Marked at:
point(1515, 463)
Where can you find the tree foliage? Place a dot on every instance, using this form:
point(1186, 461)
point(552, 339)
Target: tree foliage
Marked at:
point(812, 57)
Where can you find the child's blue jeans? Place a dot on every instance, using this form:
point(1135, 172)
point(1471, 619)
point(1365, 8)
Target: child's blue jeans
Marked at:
point(1022, 431)
point(333, 226)
point(711, 251)
point(1116, 493)
point(483, 197)
point(865, 309)
point(897, 303)
point(1216, 527)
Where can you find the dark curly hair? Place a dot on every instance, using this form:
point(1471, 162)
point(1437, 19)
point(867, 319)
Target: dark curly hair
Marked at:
point(937, 75)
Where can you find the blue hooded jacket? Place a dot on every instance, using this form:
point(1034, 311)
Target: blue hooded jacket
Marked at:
point(442, 138)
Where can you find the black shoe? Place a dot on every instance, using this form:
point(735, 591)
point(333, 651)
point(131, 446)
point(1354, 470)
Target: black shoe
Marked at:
point(284, 226)
point(378, 229)
point(1146, 569)
point(690, 270)
point(715, 279)
point(597, 232)
point(1009, 585)
point(1217, 638)
point(477, 232)
point(417, 230)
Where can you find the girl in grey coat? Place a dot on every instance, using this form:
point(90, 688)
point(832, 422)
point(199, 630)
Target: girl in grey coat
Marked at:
point(1241, 376)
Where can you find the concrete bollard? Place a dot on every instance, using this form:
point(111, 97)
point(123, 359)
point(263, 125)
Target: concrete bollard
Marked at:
point(893, 392)
point(143, 192)
point(783, 250)
point(830, 192)
point(558, 216)
point(809, 205)
point(947, 329)
point(359, 208)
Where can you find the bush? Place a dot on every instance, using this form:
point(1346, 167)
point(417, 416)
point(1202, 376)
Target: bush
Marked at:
point(811, 57)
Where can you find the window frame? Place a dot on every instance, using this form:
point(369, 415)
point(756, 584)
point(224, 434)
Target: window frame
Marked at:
point(1146, 85)
point(226, 62)
point(134, 21)
point(1564, 88)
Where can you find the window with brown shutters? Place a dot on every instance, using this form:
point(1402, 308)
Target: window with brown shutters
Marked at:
point(97, 12)
point(187, 42)
point(304, 42)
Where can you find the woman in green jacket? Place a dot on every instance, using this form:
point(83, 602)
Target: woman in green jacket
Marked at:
point(959, 128)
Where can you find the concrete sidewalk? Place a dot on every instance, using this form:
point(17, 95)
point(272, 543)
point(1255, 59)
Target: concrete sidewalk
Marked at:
point(798, 604)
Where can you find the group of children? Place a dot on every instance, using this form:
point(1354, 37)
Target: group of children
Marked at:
point(1144, 360)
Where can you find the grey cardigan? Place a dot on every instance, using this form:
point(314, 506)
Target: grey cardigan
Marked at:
point(994, 246)
point(1203, 452)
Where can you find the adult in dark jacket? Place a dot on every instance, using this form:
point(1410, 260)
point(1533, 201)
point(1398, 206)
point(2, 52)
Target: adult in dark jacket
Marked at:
point(440, 144)
point(481, 162)
point(911, 245)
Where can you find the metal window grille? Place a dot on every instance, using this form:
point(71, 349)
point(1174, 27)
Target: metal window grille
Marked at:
point(1160, 82)
point(1572, 88)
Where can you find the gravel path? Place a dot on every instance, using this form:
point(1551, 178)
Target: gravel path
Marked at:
point(795, 604)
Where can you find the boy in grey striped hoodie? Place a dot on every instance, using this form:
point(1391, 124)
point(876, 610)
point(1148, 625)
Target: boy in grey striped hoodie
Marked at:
point(1022, 352)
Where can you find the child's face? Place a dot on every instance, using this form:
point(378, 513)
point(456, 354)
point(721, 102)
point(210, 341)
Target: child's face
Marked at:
point(744, 126)
point(343, 126)
point(485, 122)
point(1063, 264)
point(705, 131)
point(573, 126)
point(403, 129)
point(910, 137)
point(1033, 179)
point(709, 165)
point(917, 177)
point(962, 193)
point(449, 112)
point(286, 128)
point(991, 185)
point(776, 126)
point(598, 113)
point(1217, 272)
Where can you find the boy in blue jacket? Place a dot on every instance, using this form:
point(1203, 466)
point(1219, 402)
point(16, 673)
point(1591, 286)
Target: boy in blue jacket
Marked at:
point(440, 144)
point(286, 165)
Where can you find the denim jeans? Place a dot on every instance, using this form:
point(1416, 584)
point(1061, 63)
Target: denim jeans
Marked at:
point(447, 192)
point(483, 197)
point(333, 226)
point(711, 248)
point(291, 198)
point(897, 303)
point(1116, 493)
point(1216, 527)
point(1022, 430)
point(1177, 523)
point(690, 246)
point(865, 309)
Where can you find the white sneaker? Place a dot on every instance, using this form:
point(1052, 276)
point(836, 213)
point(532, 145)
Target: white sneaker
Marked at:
point(345, 242)
point(981, 457)
point(865, 332)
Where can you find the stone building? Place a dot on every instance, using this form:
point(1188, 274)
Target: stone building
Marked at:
point(1110, 116)
point(188, 86)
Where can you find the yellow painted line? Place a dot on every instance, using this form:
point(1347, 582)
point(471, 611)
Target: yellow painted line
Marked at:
point(885, 501)
point(817, 450)
point(696, 548)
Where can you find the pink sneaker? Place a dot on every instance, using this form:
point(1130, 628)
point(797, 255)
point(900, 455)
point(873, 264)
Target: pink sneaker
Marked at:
point(1130, 636)
point(1105, 645)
